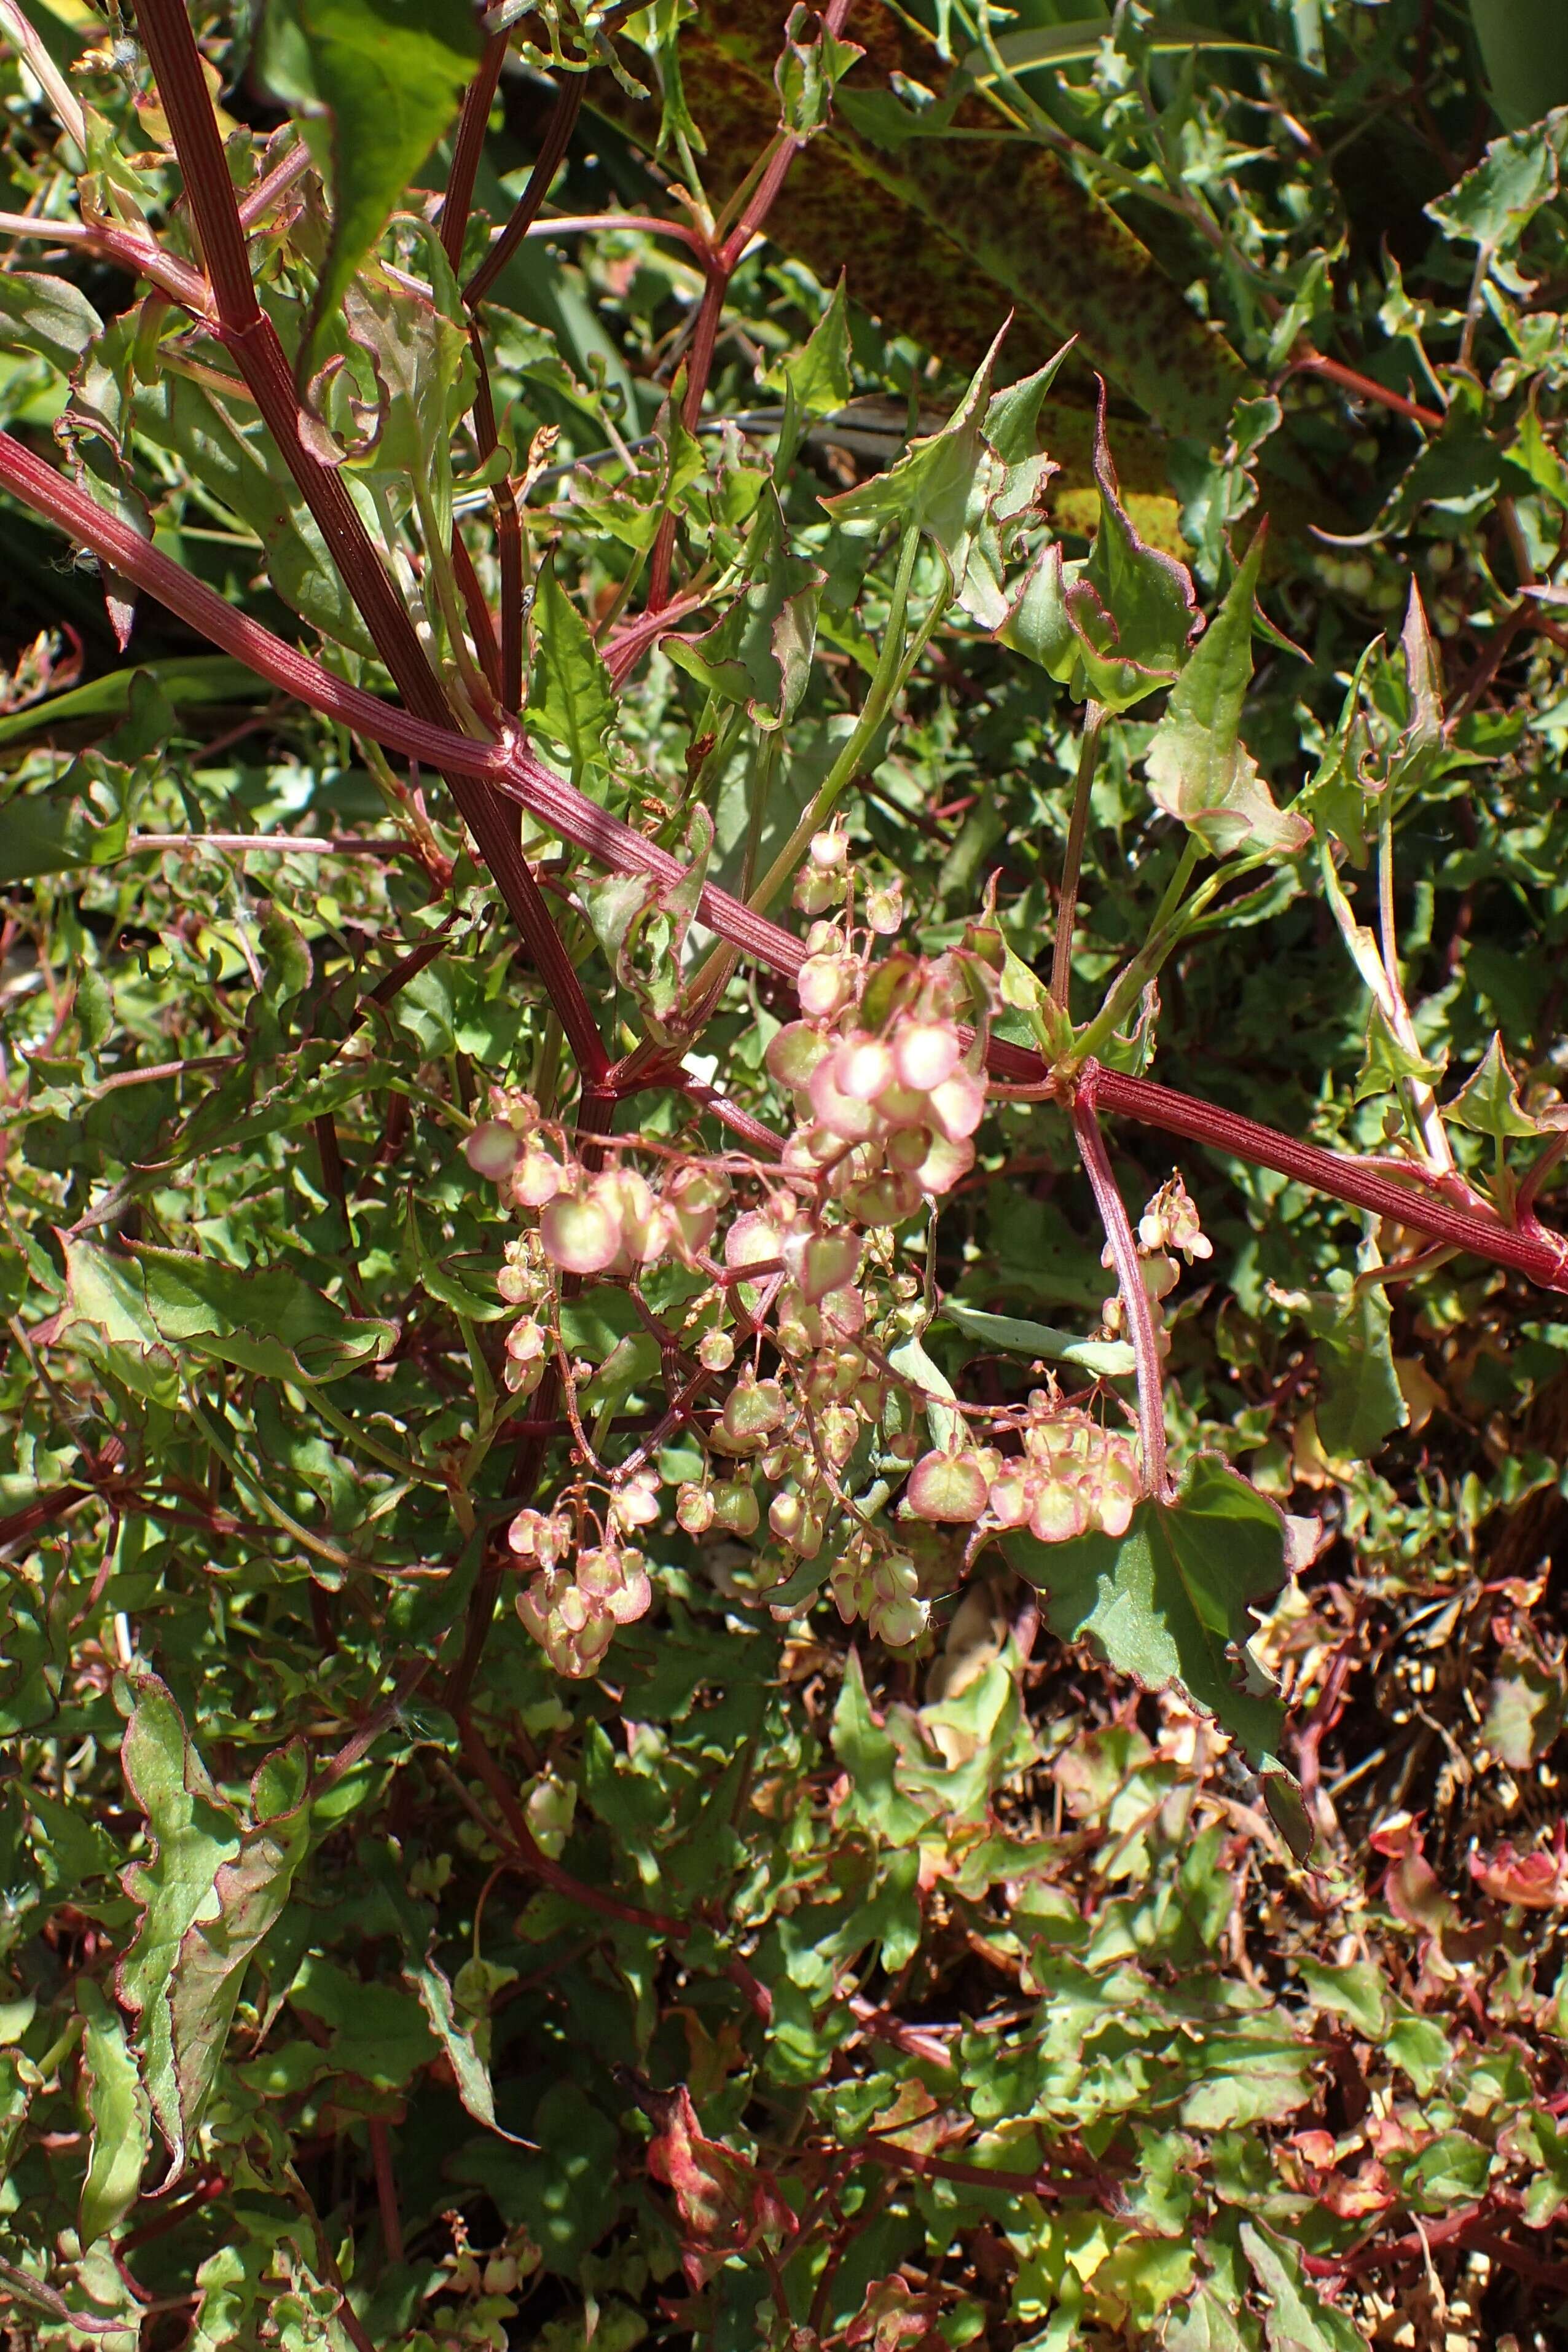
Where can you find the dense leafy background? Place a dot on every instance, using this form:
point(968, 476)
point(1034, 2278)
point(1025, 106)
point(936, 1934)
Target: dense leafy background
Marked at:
point(778, 1985)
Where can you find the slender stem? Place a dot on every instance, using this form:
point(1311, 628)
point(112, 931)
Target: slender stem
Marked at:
point(1365, 387)
point(1072, 861)
point(1136, 1305)
point(547, 163)
point(274, 845)
point(30, 45)
point(894, 666)
point(1170, 922)
point(721, 266)
point(642, 223)
point(136, 254)
point(1386, 895)
point(469, 146)
point(253, 342)
point(385, 2187)
point(259, 202)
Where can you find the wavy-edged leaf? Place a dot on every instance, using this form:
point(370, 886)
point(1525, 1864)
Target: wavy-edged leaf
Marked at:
point(1199, 770)
point(1168, 1602)
point(269, 1322)
point(118, 2115)
point(1115, 626)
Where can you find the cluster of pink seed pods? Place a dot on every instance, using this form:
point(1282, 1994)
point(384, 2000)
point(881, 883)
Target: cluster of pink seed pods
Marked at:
point(799, 1300)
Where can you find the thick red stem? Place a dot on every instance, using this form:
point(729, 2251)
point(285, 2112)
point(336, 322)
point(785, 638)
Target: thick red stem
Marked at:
point(252, 341)
point(469, 146)
point(510, 768)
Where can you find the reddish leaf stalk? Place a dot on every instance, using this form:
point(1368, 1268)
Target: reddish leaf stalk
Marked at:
point(1136, 1305)
point(1365, 387)
point(720, 264)
point(546, 164)
point(469, 146)
point(385, 2187)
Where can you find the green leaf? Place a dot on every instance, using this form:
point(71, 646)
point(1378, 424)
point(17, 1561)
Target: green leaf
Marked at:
point(1360, 1402)
point(1495, 204)
point(570, 697)
point(192, 1834)
point(1113, 626)
point(808, 70)
point(944, 1421)
point(869, 1756)
point(1389, 1062)
point(118, 2116)
point(1524, 47)
point(1298, 2319)
point(48, 315)
point(1198, 768)
point(1526, 1711)
point(759, 653)
point(192, 679)
point(1107, 1359)
point(379, 2033)
point(269, 1322)
point(932, 485)
point(1167, 1603)
point(1488, 1103)
point(387, 75)
point(818, 375)
point(969, 486)
point(453, 2030)
point(1209, 2322)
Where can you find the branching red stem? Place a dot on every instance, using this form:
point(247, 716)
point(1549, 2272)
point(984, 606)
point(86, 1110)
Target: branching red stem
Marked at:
point(1136, 1305)
point(251, 339)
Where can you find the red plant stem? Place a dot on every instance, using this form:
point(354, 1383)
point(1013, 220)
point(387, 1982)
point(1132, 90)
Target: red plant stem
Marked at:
point(257, 202)
point(469, 146)
point(508, 531)
point(138, 255)
point(547, 163)
point(253, 342)
point(1544, 1259)
point(478, 612)
point(721, 266)
point(385, 2187)
point(509, 521)
point(502, 664)
point(1366, 387)
point(1136, 1303)
point(511, 768)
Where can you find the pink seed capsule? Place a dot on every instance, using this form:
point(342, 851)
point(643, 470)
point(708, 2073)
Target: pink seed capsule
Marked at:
point(793, 1052)
point(944, 1163)
point(852, 1119)
point(947, 1486)
point(958, 1104)
point(492, 1150)
point(862, 1067)
point(536, 1179)
point(752, 1240)
point(925, 1052)
point(581, 1233)
point(823, 1261)
point(824, 985)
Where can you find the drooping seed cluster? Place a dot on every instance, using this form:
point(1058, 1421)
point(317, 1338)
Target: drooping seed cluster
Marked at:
point(791, 1302)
